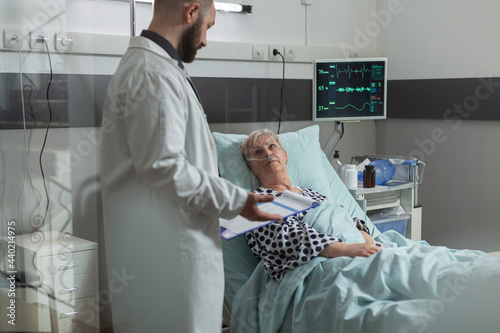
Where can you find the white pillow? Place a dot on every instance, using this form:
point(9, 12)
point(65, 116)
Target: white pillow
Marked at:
point(304, 159)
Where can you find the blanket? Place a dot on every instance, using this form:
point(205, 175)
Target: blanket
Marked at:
point(406, 287)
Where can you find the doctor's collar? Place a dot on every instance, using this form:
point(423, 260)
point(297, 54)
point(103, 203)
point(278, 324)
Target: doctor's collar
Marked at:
point(164, 44)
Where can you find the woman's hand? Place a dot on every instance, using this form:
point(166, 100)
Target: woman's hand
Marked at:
point(367, 237)
point(340, 249)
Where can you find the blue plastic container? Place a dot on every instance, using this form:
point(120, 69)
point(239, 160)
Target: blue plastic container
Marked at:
point(398, 226)
point(384, 171)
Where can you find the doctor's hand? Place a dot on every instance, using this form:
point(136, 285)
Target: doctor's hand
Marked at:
point(253, 213)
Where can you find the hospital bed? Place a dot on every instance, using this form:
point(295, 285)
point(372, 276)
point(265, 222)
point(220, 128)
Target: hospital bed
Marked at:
point(407, 287)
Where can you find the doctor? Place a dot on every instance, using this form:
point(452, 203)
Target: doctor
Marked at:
point(162, 197)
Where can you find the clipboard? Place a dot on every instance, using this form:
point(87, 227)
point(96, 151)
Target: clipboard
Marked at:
point(286, 205)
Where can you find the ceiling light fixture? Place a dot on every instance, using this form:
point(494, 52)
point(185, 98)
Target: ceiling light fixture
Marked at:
point(223, 6)
point(232, 7)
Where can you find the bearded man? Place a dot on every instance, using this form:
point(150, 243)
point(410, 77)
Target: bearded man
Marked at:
point(162, 197)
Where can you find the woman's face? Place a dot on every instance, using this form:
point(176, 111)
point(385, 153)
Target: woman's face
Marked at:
point(267, 158)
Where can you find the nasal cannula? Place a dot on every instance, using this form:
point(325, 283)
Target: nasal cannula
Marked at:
point(265, 158)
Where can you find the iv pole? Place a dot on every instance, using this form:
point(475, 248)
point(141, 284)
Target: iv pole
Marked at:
point(132, 18)
point(329, 147)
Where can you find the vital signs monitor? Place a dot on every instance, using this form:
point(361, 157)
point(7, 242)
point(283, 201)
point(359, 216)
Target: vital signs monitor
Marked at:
point(349, 89)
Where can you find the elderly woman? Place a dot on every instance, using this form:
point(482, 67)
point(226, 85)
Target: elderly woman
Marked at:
point(289, 243)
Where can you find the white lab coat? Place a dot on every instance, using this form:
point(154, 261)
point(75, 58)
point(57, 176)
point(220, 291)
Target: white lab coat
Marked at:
point(162, 198)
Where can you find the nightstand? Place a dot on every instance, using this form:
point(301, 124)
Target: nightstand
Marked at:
point(381, 197)
point(69, 266)
point(394, 205)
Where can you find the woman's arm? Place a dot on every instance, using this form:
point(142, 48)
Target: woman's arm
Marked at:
point(340, 249)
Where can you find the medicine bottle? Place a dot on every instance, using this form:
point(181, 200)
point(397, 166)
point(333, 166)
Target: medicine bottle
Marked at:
point(351, 176)
point(369, 176)
point(337, 165)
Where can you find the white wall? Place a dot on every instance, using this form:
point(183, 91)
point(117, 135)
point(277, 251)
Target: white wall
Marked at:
point(441, 39)
point(448, 39)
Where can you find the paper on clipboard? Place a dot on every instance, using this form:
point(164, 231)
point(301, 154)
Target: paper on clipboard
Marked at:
point(288, 204)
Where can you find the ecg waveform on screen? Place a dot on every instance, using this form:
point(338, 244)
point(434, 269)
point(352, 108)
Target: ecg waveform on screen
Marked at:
point(352, 106)
point(351, 71)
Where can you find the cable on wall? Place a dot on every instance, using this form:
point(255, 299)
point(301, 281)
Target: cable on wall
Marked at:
point(29, 89)
point(46, 132)
point(276, 52)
